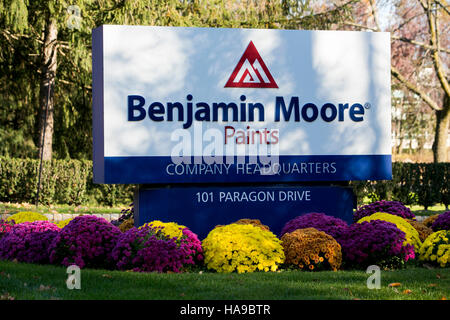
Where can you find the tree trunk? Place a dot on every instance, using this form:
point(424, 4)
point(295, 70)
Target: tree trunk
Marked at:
point(47, 86)
point(441, 134)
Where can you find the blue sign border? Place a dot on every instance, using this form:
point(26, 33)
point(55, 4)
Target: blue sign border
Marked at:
point(146, 170)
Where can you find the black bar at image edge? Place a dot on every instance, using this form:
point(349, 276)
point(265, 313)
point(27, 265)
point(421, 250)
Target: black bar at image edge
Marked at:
point(227, 309)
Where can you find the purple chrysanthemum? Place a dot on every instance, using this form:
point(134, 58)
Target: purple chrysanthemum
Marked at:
point(192, 244)
point(86, 241)
point(442, 222)
point(28, 242)
point(374, 242)
point(328, 224)
point(392, 207)
point(148, 249)
point(5, 226)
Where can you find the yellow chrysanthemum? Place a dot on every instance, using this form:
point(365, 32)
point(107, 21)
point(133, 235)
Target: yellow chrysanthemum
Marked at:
point(242, 248)
point(27, 216)
point(170, 229)
point(61, 224)
point(436, 248)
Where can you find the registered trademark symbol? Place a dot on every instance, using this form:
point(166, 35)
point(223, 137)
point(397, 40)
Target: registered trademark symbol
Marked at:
point(367, 105)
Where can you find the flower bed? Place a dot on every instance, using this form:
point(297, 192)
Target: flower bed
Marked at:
point(313, 241)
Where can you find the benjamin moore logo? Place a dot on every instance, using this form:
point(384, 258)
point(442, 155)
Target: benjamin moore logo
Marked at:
point(251, 71)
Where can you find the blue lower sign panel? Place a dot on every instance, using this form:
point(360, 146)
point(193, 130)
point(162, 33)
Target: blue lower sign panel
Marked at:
point(142, 170)
point(202, 208)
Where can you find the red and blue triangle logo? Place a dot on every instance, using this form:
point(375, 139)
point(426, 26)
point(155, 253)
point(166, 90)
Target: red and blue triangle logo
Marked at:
point(251, 71)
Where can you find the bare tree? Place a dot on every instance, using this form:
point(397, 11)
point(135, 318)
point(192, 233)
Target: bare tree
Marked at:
point(420, 53)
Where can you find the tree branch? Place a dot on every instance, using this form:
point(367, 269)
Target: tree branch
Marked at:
point(424, 45)
point(435, 54)
point(393, 37)
point(373, 8)
point(360, 26)
point(407, 21)
point(443, 6)
point(72, 83)
point(423, 4)
point(414, 89)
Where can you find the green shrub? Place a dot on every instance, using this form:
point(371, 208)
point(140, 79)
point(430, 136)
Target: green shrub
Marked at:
point(62, 182)
point(444, 170)
point(70, 182)
point(424, 184)
point(402, 183)
point(427, 183)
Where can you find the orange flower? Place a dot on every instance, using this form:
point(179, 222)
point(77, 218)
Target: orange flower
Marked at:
point(308, 246)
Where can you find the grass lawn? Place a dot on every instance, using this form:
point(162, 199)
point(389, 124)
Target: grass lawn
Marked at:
point(420, 210)
point(28, 281)
point(11, 208)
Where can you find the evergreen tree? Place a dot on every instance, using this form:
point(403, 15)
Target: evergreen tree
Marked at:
point(45, 61)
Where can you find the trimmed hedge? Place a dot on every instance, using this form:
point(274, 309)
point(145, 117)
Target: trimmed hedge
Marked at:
point(424, 184)
point(62, 181)
point(70, 182)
